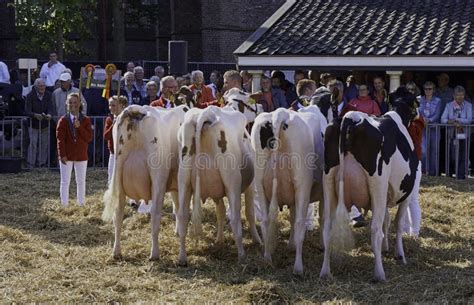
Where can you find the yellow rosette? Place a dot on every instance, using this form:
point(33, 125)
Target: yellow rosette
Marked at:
point(110, 70)
point(89, 70)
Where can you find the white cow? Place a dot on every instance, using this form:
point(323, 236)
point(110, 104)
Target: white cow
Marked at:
point(370, 162)
point(146, 165)
point(214, 163)
point(289, 162)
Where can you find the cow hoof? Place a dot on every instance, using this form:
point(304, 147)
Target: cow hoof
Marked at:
point(378, 279)
point(243, 259)
point(117, 256)
point(386, 253)
point(325, 276)
point(182, 263)
point(401, 260)
point(298, 273)
point(154, 258)
point(257, 241)
point(291, 246)
point(220, 242)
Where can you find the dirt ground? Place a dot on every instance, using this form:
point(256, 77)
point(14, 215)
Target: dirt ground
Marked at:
point(50, 253)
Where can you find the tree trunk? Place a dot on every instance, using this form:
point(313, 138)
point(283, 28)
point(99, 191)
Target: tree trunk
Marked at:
point(118, 29)
point(102, 30)
point(60, 43)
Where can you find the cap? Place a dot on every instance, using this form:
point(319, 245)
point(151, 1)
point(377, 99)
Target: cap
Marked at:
point(65, 77)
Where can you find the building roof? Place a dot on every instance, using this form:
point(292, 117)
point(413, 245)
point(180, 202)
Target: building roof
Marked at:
point(366, 28)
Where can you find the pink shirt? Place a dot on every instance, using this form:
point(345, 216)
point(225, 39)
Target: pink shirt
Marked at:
point(366, 105)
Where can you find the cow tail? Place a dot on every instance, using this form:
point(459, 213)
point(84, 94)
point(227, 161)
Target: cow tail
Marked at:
point(111, 196)
point(341, 234)
point(196, 216)
point(277, 123)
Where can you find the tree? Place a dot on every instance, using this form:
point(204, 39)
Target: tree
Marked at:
point(61, 25)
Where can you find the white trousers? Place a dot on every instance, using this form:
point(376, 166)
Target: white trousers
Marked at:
point(110, 168)
point(412, 220)
point(80, 168)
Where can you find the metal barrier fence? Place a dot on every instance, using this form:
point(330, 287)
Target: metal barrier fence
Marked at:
point(19, 139)
point(36, 147)
point(448, 147)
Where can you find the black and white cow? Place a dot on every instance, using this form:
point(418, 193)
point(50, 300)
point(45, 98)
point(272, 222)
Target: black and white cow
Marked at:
point(372, 163)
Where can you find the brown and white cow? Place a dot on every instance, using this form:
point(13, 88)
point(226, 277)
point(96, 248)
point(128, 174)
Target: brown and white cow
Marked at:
point(289, 152)
point(370, 162)
point(146, 165)
point(214, 163)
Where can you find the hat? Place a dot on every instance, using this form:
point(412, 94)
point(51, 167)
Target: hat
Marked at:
point(65, 77)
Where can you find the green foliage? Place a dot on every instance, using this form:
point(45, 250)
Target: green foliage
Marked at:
point(45, 25)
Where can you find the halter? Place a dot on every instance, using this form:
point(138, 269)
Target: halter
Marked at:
point(246, 106)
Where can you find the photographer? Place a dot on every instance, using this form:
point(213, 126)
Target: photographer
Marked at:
point(39, 107)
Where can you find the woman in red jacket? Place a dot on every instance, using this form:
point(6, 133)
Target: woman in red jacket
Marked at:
point(116, 105)
point(73, 134)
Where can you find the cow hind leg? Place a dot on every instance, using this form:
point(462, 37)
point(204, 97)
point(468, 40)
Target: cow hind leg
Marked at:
point(401, 214)
point(220, 213)
point(235, 221)
point(291, 241)
point(158, 194)
point(174, 197)
point(183, 216)
point(301, 210)
point(386, 231)
point(118, 219)
point(379, 207)
point(250, 214)
point(330, 202)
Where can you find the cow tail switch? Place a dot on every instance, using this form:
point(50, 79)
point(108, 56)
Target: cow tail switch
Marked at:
point(341, 234)
point(279, 118)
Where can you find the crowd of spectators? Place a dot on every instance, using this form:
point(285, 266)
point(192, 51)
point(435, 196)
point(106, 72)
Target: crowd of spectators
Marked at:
point(334, 94)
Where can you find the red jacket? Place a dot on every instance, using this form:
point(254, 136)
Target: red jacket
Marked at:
point(416, 133)
point(109, 124)
point(73, 142)
point(204, 98)
point(160, 103)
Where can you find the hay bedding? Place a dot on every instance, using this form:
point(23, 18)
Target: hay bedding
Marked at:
point(49, 253)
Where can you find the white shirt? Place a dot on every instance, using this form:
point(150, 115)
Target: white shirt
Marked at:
point(168, 104)
point(51, 74)
point(213, 89)
point(4, 74)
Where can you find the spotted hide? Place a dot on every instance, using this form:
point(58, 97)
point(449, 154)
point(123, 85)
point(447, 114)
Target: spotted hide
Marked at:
point(215, 162)
point(146, 165)
point(289, 166)
point(369, 162)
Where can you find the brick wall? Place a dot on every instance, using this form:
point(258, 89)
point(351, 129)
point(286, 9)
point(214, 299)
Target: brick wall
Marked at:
point(230, 23)
point(213, 29)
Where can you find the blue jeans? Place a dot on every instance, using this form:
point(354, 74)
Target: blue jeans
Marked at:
point(430, 150)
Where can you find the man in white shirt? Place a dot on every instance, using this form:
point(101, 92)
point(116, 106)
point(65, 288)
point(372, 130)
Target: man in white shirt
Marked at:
point(51, 71)
point(4, 74)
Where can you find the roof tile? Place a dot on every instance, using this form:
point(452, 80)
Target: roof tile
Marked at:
point(371, 27)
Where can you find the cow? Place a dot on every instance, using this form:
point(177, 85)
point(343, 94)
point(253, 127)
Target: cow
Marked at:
point(289, 152)
point(146, 165)
point(214, 162)
point(372, 163)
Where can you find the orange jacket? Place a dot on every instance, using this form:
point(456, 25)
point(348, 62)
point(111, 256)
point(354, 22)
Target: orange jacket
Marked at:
point(73, 142)
point(204, 98)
